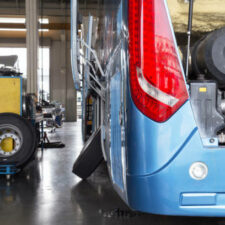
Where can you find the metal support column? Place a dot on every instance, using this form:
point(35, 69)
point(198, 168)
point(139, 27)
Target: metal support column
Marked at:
point(32, 43)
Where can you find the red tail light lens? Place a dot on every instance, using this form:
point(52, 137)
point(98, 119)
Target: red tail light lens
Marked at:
point(157, 84)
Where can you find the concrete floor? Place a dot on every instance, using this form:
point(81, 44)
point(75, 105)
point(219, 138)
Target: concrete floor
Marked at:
point(47, 193)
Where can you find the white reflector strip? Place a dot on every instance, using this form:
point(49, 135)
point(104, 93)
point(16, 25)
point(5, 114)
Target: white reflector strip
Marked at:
point(155, 92)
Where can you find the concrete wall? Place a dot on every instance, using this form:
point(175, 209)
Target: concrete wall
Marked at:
point(61, 81)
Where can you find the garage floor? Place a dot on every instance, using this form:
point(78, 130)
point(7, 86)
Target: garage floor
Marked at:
point(49, 194)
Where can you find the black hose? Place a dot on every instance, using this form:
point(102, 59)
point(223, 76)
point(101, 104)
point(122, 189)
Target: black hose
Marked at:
point(190, 19)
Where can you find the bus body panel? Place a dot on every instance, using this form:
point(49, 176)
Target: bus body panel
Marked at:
point(171, 191)
point(116, 146)
point(151, 145)
point(159, 156)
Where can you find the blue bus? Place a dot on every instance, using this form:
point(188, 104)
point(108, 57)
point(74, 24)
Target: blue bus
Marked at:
point(161, 131)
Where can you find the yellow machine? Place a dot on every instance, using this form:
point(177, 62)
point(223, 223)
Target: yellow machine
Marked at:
point(10, 102)
point(19, 121)
point(11, 95)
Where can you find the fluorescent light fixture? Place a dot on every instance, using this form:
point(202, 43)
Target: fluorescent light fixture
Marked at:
point(12, 20)
point(44, 21)
point(43, 30)
point(22, 29)
point(21, 20)
point(12, 29)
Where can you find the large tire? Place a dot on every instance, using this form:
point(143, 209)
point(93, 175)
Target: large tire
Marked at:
point(90, 157)
point(208, 56)
point(28, 139)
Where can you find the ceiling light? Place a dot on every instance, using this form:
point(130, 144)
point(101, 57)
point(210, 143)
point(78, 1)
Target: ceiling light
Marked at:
point(22, 29)
point(12, 20)
point(21, 20)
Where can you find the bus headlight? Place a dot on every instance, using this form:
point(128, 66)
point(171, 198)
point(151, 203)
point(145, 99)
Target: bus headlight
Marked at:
point(198, 171)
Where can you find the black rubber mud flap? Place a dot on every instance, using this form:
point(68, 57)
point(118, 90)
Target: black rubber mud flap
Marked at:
point(90, 157)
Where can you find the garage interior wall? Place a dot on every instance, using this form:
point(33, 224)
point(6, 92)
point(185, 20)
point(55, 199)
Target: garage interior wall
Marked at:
point(61, 82)
point(57, 38)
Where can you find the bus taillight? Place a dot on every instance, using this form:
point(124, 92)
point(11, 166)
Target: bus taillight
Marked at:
point(156, 79)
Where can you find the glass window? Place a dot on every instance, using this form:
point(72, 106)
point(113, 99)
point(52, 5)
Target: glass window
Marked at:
point(43, 72)
point(21, 64)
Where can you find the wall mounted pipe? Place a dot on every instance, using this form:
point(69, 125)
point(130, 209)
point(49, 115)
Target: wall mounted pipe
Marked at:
point(74, 45)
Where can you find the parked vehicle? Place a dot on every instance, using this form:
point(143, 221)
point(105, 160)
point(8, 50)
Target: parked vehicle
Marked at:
point(162, 133)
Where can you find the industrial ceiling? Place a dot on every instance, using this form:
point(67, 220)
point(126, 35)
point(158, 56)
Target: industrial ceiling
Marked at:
point(208, 14)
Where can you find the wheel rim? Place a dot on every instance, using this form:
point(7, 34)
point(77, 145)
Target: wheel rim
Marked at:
point(11, 140)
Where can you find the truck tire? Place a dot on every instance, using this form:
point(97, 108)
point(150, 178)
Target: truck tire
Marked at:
point(23, 134)
point(208, 56)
